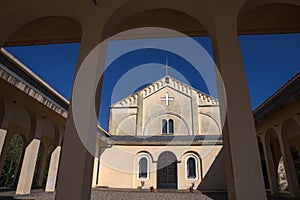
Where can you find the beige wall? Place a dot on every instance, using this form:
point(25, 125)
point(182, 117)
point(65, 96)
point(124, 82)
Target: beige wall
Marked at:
point(119, 165)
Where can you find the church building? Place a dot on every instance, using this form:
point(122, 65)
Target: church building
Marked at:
point(166, 135)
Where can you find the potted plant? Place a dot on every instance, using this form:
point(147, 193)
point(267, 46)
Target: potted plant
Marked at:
point(151, 189)
point(142, 184)
point(192, 187)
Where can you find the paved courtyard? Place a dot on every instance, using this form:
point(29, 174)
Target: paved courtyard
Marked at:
point(125, 194)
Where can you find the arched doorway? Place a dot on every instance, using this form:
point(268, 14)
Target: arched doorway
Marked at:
point(167, 170)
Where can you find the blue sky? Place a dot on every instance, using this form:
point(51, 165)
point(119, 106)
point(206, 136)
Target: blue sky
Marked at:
point(270, 61)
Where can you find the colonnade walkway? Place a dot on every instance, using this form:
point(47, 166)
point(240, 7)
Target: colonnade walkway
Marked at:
point(134, 194)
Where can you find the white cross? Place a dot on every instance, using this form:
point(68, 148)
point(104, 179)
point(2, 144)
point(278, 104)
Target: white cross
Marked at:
point(167, 99)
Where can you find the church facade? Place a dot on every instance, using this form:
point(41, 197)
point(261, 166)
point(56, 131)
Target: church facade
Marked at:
point(166, 135)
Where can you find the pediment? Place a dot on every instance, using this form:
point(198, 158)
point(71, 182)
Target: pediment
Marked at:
point(167, 81)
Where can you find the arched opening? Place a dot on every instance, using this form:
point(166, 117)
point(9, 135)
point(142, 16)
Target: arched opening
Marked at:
point(140, 57)
point(263, 163)
point(12, 164)
point(277, 164)
point(296, 161)
point(269, 39)
point(38, 165)
point(291, 142)
point(126, 18)
point(167, 170)
point(45, 174)
point(160, 14)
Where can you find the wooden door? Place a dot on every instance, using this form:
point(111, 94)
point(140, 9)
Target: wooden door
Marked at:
point(167, 171)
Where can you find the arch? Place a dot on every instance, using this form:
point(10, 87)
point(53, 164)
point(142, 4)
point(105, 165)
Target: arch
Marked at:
point(138, 156)
point(20, 17)
point(21, 121)
point(141, 9)
point(273, 146)
point(167, 170)
point(290, 129)
point(49, 129)
point(290, 135)
point(40, 31)
point(198, 157)
point(272, 138)
point(250, 4)
point(296, 160)
point(263, 163)
point(143, 152)
point(275, 16)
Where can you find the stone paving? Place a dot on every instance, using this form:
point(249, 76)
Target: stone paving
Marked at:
point(123, 194)
point(128, 194)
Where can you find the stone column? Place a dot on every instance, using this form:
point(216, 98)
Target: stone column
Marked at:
point(289, 166)
point(28, 167)
point(270, 164)
point(242, 159)
point(53, 169)
point(2, 139)
point(76, 166)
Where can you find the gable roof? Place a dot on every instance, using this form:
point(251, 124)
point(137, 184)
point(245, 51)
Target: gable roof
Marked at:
point(166, 81)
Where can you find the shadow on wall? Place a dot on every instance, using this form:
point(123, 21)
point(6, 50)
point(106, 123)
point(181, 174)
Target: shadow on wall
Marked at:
point(215, 178)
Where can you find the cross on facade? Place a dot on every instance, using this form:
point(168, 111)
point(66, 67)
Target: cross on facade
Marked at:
point(167, 99)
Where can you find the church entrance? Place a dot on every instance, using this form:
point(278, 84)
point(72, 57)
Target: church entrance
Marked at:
point(167, 170)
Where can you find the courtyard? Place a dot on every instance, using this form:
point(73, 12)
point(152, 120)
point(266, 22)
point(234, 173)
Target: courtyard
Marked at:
point(134, 194)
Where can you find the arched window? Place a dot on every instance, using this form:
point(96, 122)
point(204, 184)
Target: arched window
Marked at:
point(171, 126)
point(164, 126)
point(143, 168)
point(191, 168)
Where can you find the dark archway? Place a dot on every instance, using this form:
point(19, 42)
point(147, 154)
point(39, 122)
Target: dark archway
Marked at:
point(263, 163)
point(167, 170)
point(13, 162)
